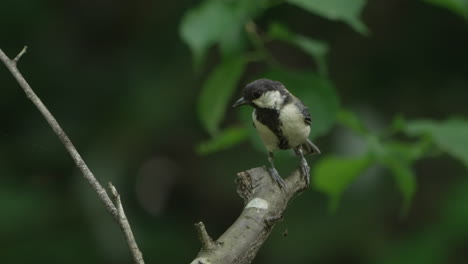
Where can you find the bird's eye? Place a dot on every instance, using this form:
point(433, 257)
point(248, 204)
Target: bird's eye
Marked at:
point(257, 94)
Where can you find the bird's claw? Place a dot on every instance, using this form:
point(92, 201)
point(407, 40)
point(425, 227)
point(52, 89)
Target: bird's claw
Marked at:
point(277, 178)
point(305, 171)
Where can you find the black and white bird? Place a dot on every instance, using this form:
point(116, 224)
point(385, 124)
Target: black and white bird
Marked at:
point(282, 121)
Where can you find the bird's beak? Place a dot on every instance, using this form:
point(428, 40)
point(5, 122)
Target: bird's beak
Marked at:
point(240, 102)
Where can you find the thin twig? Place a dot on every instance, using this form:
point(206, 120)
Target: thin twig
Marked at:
point(87, 174)
point(23, 51)
point(11, 65)
point(125, 226)
point(205, 239)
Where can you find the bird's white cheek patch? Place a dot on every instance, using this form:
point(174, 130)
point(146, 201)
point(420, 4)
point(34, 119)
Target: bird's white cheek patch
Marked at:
point(258, 203)
point(270, 99)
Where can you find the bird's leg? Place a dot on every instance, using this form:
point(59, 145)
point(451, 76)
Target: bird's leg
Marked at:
point(274, 173)
point(304, 166)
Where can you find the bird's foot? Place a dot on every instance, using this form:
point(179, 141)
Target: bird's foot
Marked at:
point(277, 178)
point(305, 171)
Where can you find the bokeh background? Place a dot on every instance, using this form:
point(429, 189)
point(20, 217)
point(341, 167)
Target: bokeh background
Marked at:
point(127, 89)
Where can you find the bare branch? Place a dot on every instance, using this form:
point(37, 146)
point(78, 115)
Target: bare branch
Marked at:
point(11, 65)
point(116, 213)
point(23, 51)
point(265, 203)
point(205, 239)
point(125, 226)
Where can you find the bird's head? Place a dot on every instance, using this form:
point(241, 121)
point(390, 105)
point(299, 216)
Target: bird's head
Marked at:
point(263, 93)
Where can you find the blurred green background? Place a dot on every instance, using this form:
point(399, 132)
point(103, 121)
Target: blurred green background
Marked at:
point(144, 88)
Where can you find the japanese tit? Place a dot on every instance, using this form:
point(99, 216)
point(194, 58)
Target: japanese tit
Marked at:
point(282, 121)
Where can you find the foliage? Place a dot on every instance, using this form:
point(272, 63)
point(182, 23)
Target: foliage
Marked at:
point(333, 174)
point(459, 7)
point(348, 11)
point(213, 99)
point(317, 49)
point(227, 138)
point(449, 136)
point(217, 22)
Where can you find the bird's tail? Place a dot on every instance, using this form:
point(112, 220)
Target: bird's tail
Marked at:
point(310, 148)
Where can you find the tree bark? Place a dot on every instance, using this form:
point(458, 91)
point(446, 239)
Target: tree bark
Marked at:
point(265, 203)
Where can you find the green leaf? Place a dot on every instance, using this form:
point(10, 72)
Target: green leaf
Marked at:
point(316, 92)
point(218, 22)
point(459, 7)
point(398, 158)
point(317, 49)
point(352, 121)
point(234, 39)
point(348, 11)
point(205, 25)
point(405, 180)
point(233, 42)
point(226, 139)
point(217, 91)
point(333, 174)
point(450, 136)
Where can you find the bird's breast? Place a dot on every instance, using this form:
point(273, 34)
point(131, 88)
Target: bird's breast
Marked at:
point(265, 124)
point(293, 126)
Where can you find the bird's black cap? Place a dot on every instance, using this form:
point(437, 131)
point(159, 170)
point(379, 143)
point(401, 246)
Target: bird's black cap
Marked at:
point(258, 87)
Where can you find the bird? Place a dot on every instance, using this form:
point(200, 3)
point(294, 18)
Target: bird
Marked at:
point(282, 121)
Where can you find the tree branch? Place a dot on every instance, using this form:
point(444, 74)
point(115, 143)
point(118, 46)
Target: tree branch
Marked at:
point(265, 203)
point(117, 212)
point(125, 226)
point(205, 239)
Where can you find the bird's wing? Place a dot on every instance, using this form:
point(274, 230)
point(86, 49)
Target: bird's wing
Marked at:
point(306, 114)
point(253, 117)
point(304, 110)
